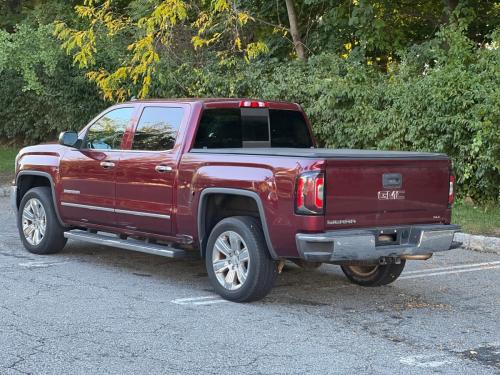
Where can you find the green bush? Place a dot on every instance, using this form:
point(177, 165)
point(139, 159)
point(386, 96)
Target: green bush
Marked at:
point(442, 95)
point(448, 102)
point(41, 92)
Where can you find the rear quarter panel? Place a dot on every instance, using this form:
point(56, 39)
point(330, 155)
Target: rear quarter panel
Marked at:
point(272, 178)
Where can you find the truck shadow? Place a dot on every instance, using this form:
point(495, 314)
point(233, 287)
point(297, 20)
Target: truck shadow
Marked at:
point(326, 286)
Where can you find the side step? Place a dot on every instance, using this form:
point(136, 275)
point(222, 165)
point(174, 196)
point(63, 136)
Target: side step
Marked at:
point(128, 244)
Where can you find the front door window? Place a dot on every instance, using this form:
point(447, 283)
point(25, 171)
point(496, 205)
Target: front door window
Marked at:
point(107, 132)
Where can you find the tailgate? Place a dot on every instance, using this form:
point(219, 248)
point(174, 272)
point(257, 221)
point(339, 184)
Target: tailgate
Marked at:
point(386, 192)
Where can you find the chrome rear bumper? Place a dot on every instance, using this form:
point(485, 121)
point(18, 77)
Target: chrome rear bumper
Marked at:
point(363, 244)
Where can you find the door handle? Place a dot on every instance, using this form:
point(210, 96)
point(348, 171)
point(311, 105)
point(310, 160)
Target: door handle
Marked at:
point(163, 168)
point(107, 164)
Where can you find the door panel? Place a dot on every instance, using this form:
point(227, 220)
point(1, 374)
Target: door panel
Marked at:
point(88, 174)
point(145, 179)
point(88, 189)
point(144, 194)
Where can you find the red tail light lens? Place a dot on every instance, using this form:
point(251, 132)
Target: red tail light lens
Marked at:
point(309, 196)
point(451, 191)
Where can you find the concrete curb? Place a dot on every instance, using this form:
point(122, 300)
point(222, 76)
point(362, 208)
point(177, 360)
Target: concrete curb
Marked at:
point(483, 244)
point(5, 191)
point(471, 242)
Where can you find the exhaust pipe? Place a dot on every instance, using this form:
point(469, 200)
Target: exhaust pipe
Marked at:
point(416, 257)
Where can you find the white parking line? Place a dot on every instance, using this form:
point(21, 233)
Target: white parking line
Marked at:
point(426, 361)
point(437, 271)
point(452, 271)
point(486, 264)
point(220, 300)
point(40, 264)
point(203, 300)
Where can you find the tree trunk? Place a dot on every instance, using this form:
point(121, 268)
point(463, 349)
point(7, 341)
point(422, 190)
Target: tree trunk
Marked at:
point(294, 30)
point(450, 7)
point(14, 5)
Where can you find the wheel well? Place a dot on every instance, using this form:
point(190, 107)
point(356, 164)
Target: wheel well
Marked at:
point(219, 206)
point(27, 182)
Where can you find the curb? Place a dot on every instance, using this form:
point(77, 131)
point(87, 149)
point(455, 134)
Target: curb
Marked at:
point(470, 241)
point(5, 191)
point(483, 244)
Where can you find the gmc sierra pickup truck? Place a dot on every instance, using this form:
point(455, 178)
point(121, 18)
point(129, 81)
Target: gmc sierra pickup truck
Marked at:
point(242, 183)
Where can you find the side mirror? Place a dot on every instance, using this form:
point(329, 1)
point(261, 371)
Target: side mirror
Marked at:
point(69, 138)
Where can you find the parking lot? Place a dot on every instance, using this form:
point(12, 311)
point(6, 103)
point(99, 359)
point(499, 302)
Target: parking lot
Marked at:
point(98, 310)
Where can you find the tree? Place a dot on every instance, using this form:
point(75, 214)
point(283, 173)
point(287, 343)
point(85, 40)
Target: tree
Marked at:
point(294, 30)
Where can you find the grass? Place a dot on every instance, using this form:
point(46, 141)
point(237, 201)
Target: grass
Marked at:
point(7, 157)
point(477, 220)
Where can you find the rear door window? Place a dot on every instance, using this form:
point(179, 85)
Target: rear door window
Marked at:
point(157, 128)
point(252, 127)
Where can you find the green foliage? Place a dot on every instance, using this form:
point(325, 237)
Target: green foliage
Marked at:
point(25, 50)
point(444, 96)
point(41, 93)
point(7, 157)
point(406, 75)
point(452, 106)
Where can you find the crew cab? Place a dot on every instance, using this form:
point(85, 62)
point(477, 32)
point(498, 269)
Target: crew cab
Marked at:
point(242, 183)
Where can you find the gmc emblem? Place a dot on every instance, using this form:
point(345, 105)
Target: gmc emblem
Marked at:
point(391, 195)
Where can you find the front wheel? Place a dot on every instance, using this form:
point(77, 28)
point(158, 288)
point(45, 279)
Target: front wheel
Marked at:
point(374, 275)
point(39, 228)
point(237, 259)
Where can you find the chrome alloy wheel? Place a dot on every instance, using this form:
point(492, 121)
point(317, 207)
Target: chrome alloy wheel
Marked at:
point(34, 221)
point(231, 260)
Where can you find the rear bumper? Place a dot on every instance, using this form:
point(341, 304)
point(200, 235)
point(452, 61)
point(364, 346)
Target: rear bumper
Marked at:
point(362, 244)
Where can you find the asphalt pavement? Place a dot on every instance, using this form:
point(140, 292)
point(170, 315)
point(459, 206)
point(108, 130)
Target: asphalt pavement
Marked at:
point(99, 310)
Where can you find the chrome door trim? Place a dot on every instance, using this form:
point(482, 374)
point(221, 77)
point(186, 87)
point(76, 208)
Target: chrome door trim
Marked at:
point(141, 213)
point(118, 211)
point(69, 191)
point(97, 208)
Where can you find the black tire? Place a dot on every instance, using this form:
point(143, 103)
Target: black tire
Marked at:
point(262, 270)
point(374, 275)
point(53, 240)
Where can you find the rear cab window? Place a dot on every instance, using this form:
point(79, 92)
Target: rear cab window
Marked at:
point(252, 127)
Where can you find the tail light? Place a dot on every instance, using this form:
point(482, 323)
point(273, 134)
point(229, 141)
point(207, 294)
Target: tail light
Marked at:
point(451, 191)
point(253, 104)
point(309, 196)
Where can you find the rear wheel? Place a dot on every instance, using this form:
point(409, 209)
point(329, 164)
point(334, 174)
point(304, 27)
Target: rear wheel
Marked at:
point(238, 262)
point(373, 275)
point(39, 228)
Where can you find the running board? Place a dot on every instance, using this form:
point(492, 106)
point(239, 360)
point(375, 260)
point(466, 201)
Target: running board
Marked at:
point(128, 244)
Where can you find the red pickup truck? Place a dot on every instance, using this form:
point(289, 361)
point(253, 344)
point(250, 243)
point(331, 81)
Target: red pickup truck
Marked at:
point(242, 183)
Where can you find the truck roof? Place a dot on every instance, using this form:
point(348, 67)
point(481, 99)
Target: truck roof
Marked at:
point(220, 102)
